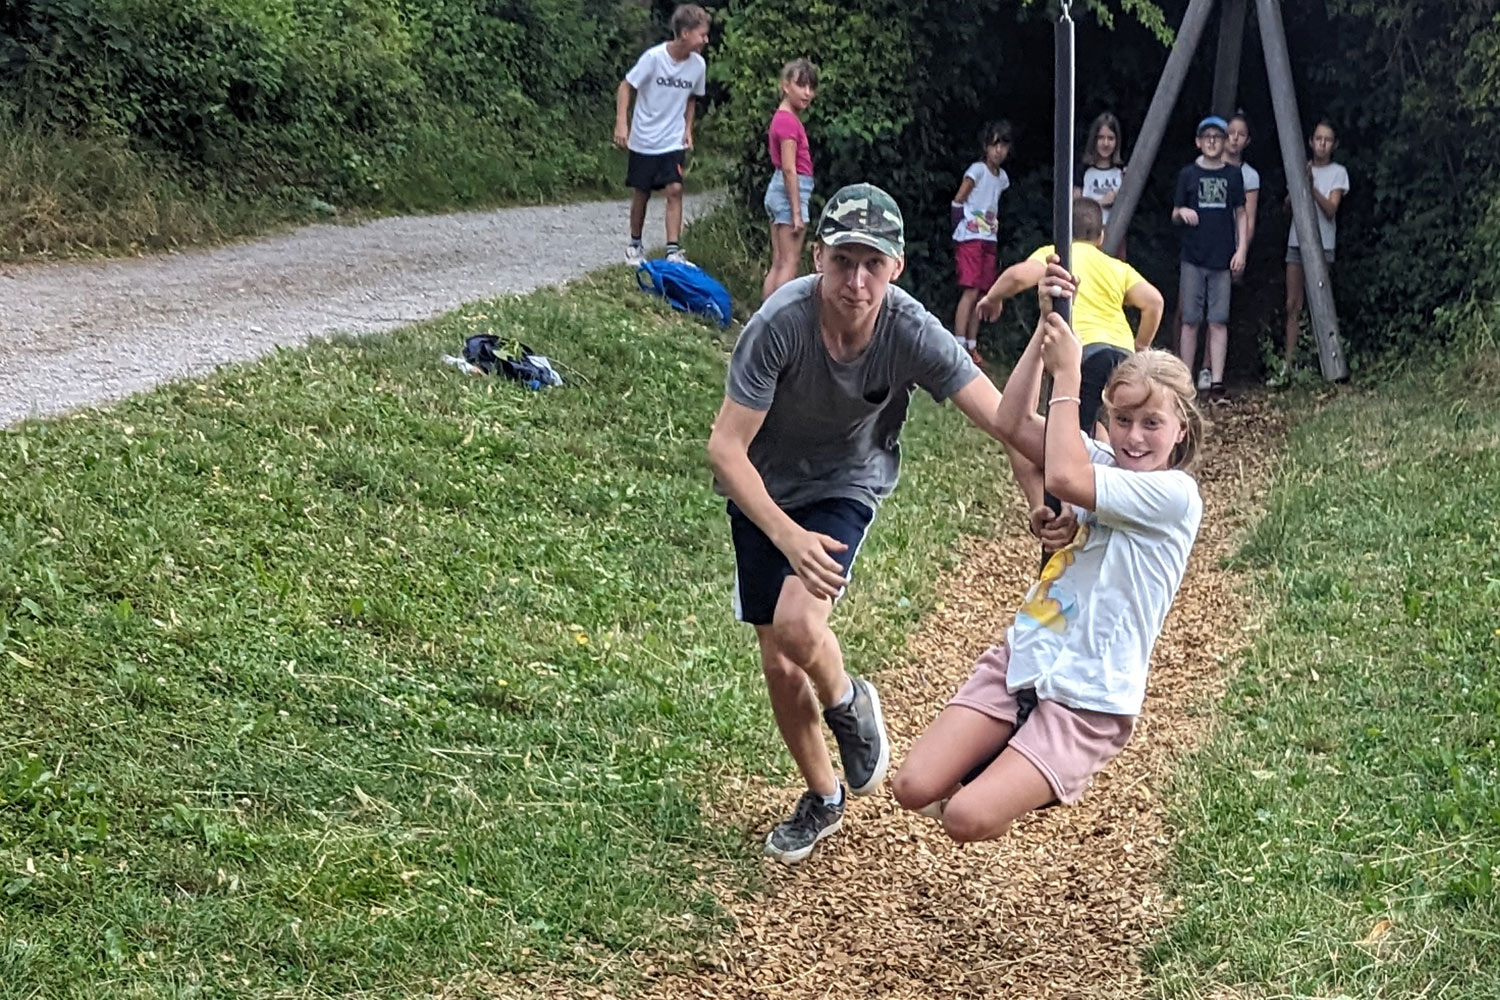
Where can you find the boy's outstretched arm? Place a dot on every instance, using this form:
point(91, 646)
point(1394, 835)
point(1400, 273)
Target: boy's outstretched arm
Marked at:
point(982, 403)
point(1019, 424)
point(1013, 280)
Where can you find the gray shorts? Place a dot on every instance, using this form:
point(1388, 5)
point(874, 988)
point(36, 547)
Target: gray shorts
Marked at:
point(1294, 255)
point(1204, 295)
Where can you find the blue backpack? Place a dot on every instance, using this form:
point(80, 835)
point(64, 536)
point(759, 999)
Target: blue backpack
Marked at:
point(686, 287)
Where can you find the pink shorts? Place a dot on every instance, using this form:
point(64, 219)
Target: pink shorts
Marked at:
point(1068, 745)
point(976, 264)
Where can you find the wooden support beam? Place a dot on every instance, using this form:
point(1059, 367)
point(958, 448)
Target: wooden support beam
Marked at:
point(1325, 321)
point(1138, 171)
point(1227, 59)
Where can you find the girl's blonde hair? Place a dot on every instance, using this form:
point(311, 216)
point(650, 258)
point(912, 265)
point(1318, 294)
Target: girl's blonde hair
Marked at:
point(800, 71)
point(1157, 369)
point(1091, 145)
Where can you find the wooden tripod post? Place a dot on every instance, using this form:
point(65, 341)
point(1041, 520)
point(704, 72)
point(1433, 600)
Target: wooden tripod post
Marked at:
point(1325, 321)
point(1227, 59)
point(1155, 126)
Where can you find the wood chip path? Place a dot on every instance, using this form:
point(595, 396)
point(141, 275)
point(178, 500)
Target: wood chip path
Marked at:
point(1059, 909)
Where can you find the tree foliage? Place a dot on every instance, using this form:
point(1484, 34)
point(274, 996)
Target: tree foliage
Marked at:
point(328, 94)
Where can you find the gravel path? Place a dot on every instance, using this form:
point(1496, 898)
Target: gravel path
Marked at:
point(83, 333)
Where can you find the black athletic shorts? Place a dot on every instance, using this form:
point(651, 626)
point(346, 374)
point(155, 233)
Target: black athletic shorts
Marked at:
point(759, 566)
point(653, 171)
point(1099, 362)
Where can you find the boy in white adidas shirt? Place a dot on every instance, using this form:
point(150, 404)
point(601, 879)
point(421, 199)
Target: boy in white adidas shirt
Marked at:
point(666, 79)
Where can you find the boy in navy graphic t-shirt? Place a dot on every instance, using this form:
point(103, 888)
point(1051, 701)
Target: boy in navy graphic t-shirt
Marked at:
point(1209, 205)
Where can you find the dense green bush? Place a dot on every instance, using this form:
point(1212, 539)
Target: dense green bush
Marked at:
point(363, 102)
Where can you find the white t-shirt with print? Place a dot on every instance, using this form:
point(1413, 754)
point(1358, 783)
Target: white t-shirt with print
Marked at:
point(1084, 635)
point(1327, 179)
point(1098, 184)
point(663, 86)
point(982, 207)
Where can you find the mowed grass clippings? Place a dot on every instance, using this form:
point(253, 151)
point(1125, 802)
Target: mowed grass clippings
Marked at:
point(1343, 828)
point(345, 673)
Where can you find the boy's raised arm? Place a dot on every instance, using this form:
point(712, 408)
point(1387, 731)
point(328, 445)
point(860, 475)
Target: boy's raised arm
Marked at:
point(1012, 281)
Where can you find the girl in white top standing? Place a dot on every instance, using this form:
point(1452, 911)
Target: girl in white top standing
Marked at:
point(1101, 170)
point(975, 216)
point(1330, 182)
point(1234, 154)
point(1078, 653)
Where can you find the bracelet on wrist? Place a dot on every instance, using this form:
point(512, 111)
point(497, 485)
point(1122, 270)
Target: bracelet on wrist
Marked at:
point(1064, 399)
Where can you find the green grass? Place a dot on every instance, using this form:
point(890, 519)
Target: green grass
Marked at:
point(343, 672)
point(1354, 778)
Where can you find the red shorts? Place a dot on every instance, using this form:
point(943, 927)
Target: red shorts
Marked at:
point(976, 264)
point(1067, 745)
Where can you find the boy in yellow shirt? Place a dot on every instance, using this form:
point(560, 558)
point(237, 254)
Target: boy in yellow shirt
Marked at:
point(1105, 286)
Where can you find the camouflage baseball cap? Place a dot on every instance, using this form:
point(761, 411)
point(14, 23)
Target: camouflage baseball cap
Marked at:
point(866, 215)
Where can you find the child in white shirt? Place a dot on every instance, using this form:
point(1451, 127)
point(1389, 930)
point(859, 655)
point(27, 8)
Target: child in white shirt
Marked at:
point(1048, 708)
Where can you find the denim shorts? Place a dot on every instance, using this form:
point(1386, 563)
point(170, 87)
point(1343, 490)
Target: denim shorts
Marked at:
point(779, 206)
point(1205, 295)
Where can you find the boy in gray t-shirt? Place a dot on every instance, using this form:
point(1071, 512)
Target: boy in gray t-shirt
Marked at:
point(805, 447)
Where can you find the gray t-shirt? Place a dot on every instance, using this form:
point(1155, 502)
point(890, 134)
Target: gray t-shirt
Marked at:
point(832, 428)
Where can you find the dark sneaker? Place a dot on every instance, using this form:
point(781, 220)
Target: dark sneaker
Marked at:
point(859, 728)
point(811, 821)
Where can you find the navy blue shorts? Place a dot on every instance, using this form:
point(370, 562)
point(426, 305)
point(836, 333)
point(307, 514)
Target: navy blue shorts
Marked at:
point(759, 566)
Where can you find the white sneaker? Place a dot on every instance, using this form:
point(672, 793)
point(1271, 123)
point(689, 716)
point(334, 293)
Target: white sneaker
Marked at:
point(635, 253)
point(677, 256)
point(1205, 380)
